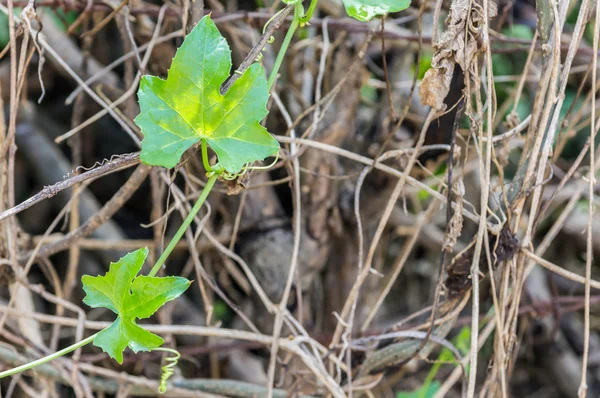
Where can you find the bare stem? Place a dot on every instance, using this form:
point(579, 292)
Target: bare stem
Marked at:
point(48, 358)
point(184, 226)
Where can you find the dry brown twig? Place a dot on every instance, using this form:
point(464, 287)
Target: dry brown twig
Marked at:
point(118, 163)
point(583, 386)
point(297, 199)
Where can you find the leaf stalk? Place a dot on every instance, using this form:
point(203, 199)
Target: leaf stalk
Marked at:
point(205, 161)
point(184, 226)
point(298, 12)
point(311, 10)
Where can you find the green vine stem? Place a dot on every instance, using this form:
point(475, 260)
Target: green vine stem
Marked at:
point(47, 358)
point(184, 226)
point(298, 11)
point(311, 10)
point(300, 19)
point(205, 160)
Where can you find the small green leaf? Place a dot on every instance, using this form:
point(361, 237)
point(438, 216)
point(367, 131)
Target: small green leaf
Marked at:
point(365, 10)
point(187, 107)
point(130, 297)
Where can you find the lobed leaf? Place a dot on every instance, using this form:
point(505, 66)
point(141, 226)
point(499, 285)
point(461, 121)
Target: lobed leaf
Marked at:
point(187, 107)
point(131, 297)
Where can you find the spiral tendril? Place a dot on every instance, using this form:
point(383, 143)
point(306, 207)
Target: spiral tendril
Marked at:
point(168, 369)
point(230, 176)
point(271, 39)
point(95, 165)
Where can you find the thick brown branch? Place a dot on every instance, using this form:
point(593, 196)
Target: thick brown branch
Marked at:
point(122, 162)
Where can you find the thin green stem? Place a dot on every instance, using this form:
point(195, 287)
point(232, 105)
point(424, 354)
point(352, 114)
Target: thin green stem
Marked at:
point(429, 379)
point(48, 358)
point(184, 226)
point(205, 161)
point(311, 10)
point(284, 46)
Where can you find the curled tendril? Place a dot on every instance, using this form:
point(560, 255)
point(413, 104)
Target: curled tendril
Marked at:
point(232, 176)
point(271, 39)
point(260, 56)
point(269, 22)
point(168, 369)
point(264, 167)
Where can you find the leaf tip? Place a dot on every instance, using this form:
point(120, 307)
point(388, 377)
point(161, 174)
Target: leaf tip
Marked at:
point(115, 354)
point(206, 21)
point(137, 257)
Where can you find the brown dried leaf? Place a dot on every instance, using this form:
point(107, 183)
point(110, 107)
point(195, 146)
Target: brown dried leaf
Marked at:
point(237, 185)
point(435, 87)
point(459, 44)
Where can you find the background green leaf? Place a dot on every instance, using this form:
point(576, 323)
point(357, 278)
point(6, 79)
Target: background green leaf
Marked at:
point(178, 112)
point(4, 34)
point(365, 10)
point(130, 297)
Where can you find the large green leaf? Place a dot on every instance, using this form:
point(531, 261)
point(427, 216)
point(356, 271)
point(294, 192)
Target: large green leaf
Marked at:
point(130, 297)
point(365, 10)
point(178, 112)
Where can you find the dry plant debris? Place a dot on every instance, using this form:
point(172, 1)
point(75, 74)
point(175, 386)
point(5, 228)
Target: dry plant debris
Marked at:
point(368, 247)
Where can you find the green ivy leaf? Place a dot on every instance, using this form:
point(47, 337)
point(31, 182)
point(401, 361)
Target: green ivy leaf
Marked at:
point(178, 112)
point(130, 296)
point(365, 10)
